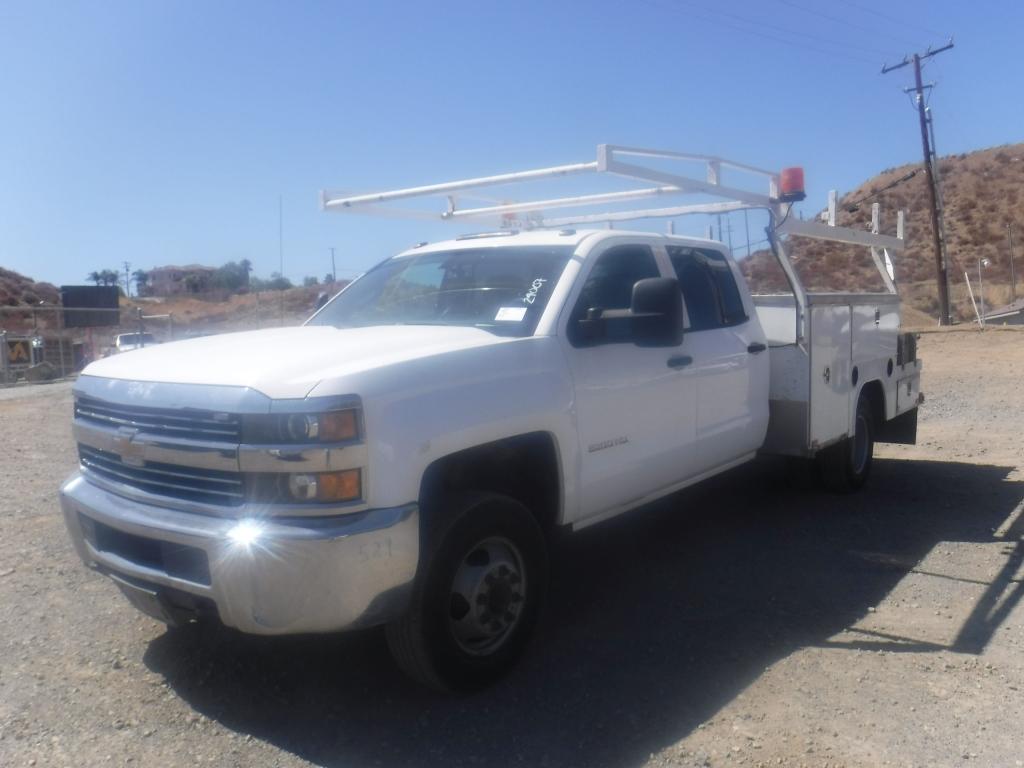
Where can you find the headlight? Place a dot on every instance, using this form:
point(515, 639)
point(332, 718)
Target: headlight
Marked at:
point(326, 486)
point(305, 487)
point(329, 427)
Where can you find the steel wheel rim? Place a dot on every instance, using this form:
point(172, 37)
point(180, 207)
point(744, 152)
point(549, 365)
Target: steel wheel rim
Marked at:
point(860, 445)
point(487, 596)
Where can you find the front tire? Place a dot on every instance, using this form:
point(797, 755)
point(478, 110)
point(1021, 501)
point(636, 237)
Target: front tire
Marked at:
point(477, 600)
point(846, 466)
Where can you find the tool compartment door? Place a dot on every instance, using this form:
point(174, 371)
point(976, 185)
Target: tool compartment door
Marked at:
point(830, 369)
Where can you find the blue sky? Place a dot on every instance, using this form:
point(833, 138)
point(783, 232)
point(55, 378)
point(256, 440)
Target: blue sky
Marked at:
point(165, 132)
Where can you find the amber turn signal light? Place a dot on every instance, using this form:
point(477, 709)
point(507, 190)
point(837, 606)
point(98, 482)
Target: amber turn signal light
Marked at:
point(336, 426)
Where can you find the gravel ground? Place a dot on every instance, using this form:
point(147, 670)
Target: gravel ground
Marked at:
point(750, 621)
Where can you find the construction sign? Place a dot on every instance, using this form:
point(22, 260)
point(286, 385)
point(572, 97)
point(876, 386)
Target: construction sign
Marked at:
point(19, 352)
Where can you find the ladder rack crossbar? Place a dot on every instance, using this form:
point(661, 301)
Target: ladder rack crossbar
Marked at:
point(686, 156)
point(648, 213)
point(563, 202)
point(330, 203)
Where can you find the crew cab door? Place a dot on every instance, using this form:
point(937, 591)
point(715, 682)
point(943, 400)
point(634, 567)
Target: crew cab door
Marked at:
point(635, 405)
point(730, 357)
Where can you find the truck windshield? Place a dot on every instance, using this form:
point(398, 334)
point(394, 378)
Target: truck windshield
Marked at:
point(501, 289)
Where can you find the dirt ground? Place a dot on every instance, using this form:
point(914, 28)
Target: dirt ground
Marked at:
point(753, 620)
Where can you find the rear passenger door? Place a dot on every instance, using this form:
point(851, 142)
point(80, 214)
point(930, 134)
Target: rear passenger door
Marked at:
point(730, 357)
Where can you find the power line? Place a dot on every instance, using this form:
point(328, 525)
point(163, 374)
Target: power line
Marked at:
point(854, 204)
point(893, 19)
point(788, 31)
point(763, 35)
point(845, 22)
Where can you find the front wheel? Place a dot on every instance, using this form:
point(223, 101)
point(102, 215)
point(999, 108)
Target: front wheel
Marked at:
point(477, 600)
point(846, 466)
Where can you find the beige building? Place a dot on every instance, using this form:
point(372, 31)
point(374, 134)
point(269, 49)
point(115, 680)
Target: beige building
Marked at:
point(173, 281)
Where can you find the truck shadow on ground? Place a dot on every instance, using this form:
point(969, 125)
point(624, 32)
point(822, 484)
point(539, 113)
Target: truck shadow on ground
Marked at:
point(654, 623)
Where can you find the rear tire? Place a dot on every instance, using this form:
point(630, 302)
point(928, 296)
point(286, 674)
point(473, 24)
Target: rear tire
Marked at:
point(477, 599)
point(846, 466)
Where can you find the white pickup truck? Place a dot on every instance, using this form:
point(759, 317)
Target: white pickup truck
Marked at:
point(401, 458)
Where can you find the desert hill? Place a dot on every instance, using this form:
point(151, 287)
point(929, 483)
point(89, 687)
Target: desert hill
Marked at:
point(19, 291)
point(983, 192)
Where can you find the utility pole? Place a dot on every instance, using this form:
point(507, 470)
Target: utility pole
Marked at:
point(938, 190)
point(127, 279)
point(746, 227)
point(334, 272)
point(941, 268)
point(280, 248)
point(1013, 277)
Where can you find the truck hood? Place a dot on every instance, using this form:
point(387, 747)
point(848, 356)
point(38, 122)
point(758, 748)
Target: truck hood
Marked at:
point(287, 362)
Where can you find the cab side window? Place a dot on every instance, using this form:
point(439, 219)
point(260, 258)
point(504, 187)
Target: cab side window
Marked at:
point(610, 286)
point(709, 289)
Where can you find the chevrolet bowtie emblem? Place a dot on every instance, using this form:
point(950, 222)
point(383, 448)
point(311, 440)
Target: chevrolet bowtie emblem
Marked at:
point(125, 446)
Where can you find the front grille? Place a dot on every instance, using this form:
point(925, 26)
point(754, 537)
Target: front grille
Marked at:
point(210, 486)
point(184, 423)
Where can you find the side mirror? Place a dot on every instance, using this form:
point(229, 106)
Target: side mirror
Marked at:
point(654, 318)
point(657, 310)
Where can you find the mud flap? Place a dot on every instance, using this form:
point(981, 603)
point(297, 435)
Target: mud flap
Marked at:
point(902, 429)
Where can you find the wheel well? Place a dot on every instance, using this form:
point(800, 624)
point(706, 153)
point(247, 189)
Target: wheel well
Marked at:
point(875, 396)
point(524, 467)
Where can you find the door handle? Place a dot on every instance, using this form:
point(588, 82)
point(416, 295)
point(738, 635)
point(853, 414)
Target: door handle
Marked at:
point(756, 348)
point(679, 361)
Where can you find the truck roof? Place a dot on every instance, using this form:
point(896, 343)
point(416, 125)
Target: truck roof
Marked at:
point(572, 237)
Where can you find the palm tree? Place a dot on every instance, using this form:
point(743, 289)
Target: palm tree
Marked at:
point(141, 278)
point(94, 277)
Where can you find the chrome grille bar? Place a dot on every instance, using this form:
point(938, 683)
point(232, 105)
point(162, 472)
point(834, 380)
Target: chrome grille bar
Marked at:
point(212, 486)
point(204, 425)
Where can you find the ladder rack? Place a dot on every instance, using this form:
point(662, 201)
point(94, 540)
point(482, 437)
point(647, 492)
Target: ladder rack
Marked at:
point(616, 161)
point(670, 189)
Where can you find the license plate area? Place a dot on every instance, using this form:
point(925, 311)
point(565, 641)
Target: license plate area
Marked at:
point(146, 599)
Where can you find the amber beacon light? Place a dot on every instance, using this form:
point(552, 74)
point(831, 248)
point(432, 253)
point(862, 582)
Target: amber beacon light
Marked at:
point(791, 185)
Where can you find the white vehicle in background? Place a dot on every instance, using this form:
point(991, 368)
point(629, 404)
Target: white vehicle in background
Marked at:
point(126, 342)
point(400, 459)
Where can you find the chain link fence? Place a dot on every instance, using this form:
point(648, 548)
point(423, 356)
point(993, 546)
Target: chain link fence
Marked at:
point(40, 343)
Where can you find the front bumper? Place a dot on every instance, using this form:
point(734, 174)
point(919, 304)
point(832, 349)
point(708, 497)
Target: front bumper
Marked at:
point(272, 576)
